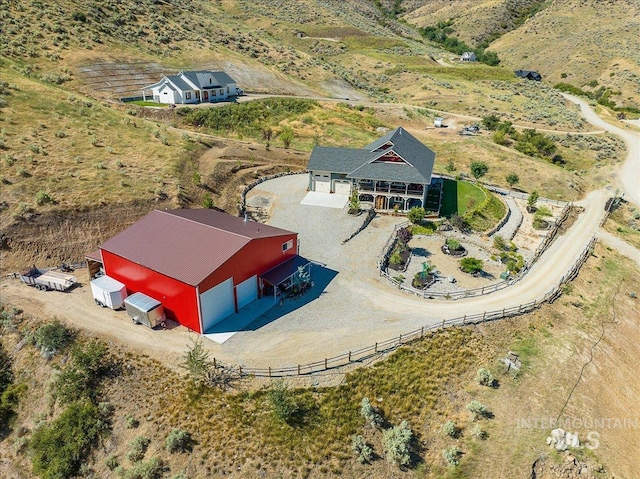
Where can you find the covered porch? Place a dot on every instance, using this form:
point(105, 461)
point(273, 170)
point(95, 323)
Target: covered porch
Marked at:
point(391, 195)
point(290, 277)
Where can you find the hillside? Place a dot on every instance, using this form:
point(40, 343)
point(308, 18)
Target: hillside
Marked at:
point(587, 338)
point(556, 43)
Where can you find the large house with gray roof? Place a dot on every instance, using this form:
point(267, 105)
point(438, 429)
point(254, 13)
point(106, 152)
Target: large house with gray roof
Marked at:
point(392, 172)
point(193, 87)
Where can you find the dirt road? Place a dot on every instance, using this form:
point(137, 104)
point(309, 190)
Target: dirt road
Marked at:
point(629, 173)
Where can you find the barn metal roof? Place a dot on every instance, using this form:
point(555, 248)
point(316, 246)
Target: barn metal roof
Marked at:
point(187, 245)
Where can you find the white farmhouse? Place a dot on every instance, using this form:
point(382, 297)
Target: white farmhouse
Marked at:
point(193, 87)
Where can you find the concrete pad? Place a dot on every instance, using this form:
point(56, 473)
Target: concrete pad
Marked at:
point(225, 329)
point(327, 200)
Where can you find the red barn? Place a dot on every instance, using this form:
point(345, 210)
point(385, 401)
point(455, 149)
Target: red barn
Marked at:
point(203, 265)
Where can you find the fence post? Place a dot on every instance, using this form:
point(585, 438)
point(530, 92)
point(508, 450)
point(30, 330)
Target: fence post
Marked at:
point(503, 312)
point(519, 308)
point(349, 356)
point(482, 292)
point(464, 319)
point(484, 315)
point(298, 370)
point(422, 332)
point(443, 323)
point(375, 348)
point(240, 370)
point(269, 371)
point(215, 365)
point(325, 363)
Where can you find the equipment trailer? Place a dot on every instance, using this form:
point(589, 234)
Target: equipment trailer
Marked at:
point(47, 280)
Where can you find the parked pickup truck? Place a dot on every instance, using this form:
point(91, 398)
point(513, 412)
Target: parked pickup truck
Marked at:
point(48, 280)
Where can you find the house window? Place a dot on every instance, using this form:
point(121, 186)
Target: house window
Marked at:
point(210, 80)
point(221, 92)
point(187, 95)
point(288, 245)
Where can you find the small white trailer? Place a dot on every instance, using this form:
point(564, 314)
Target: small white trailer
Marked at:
point(438, 122)
point(143, 309)
point(108, 292)
point(46, 280)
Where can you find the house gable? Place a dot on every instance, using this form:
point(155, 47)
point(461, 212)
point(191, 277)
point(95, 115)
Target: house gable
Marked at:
point(389, 156)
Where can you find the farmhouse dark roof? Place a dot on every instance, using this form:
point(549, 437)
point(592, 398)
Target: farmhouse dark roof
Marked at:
point(530, 74)
point(359, 163)
point(187, 245)
point(337, 160)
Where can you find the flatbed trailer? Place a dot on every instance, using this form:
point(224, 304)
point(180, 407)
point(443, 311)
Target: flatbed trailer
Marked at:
point(48, 280)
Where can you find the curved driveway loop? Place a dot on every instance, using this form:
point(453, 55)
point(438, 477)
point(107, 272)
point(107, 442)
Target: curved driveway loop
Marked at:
point(351, 306)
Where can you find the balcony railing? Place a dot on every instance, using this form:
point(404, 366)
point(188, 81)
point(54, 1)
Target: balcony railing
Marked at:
point(390, 190)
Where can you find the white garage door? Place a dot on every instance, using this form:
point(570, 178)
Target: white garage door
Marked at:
point(217, 304)
point(342, 187)
point(247, 291)
point(323, 185)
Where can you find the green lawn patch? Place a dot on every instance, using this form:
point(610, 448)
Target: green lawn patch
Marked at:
point(424, 228)
point(458, 197)
point(147, 103)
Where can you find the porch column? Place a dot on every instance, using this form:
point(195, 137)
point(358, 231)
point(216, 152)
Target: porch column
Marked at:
point(406, 189)
point(144, 96)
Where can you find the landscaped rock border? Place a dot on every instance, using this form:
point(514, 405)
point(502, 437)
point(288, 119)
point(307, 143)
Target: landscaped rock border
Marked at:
point(370, 215)
point(242, 207)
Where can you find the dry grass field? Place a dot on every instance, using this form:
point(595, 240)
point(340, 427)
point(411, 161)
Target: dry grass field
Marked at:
point(78, 166)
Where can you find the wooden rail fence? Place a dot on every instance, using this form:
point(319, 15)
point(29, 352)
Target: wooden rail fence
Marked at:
point(383, 347)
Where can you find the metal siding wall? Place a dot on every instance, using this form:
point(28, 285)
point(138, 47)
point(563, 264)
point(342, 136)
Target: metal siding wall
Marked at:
point(257, 257)
point(179, 299)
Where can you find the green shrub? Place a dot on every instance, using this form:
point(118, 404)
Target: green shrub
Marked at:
point(284, 404)
point(477, 410)
point(512, 179)
point(132, 422)
point(532, 199)
point(178, 441)
point(450, 429)
point(478, 169)
point(478, 432)
point(362, 449)
point(111, 462)
point(452, 455)
point(152, 469)
point(371, 414)
point(59, 448)
point(52, 337)
point(452, 243)
point(207, 201)
point(43, 197)
point(499, 242)
point(82, 374)
point(484, 377)
point(471, 265)
point(138, 448)
point(9, 391)
point(416, 214)
point(396, 442)
point(286, 135)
